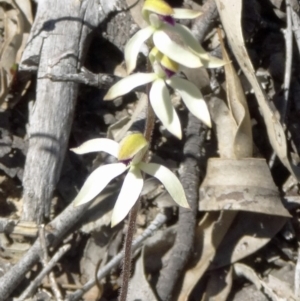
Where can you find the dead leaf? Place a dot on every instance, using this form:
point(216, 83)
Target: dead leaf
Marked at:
point(219, 285)
point(118, 130)
point(281, 288)
point(25, 9)
point(208, 236)
point(139, 288)
point(226, 237)
point(136, 12)
point(247, 272)
point(224, 126)
point(248, 233)
point(17, 18)
point(244, 184)
point(274, 289)
point(230, 13)
point(100, 210)
point(242, 143)
point(199, 77)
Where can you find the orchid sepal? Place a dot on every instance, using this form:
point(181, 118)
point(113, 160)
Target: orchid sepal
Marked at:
point(127, 84)
point(134, 45)
point(169, 181)
point(174, 51)
point(129, 194)
point(97, 181)
point(98, 145)
point(192, 97)
point(163, 108)
point(184, 13)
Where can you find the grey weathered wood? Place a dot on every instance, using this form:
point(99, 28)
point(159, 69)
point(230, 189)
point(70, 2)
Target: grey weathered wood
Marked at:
point(57, 44)
point(56, 230)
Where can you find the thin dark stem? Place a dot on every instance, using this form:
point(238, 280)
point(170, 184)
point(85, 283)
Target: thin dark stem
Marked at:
point(127, 252)
point(159, 220)
point(150, 118)
point(149, 127)
point(150, 122)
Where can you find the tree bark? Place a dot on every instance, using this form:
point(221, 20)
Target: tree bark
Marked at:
point(56, 45)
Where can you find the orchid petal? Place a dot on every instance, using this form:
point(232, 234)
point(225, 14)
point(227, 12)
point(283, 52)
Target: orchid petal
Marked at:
point(192, 98)
point(129, 194)
point(168, 179)
point(98, 145)
point(134, 45)
point(174, 51)
point(97, 181)
point(213, 62)
point(184, 13)
point(162, 106)
point(189, 39)
point(128, 83)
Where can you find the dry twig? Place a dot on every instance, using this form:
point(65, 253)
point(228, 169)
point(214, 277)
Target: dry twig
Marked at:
point(203, 24)
point(45, 261)
point(37, 281)
point(159, 220)
point(59, 227)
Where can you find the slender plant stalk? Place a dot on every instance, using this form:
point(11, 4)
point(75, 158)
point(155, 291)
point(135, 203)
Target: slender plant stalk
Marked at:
point(150, 122)
point(127, 252)
point(126, 269)
point(150, 118)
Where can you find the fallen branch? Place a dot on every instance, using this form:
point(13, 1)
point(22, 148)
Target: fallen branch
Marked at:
point(37, 281)
point(203, 23)
point(101, 80)
point(45, 261)
point(57, 230)
point(190, 179)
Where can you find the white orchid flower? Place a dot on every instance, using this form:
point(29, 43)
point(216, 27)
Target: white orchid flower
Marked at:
point(164, 74)
point(159, 15)
point(130, 152)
